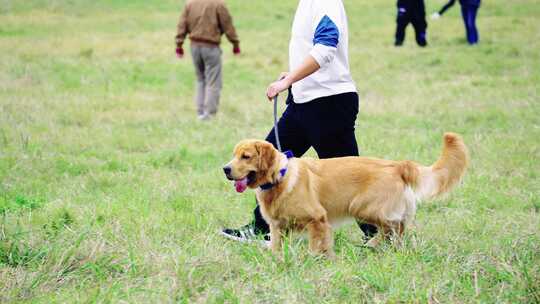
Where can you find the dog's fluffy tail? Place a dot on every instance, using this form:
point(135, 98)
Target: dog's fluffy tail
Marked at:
point(443, 175)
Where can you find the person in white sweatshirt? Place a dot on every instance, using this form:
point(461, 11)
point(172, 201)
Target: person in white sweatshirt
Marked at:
point(322, 103)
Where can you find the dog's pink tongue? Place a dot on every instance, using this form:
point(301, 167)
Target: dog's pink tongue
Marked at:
point(241, 185)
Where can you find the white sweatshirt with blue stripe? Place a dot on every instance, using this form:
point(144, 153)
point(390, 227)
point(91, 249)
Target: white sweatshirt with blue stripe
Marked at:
point(320, 30)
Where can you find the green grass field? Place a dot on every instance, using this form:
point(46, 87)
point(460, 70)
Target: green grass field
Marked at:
point(111, 190)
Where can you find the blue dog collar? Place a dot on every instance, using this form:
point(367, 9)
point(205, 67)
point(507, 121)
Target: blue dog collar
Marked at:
point(282, 172)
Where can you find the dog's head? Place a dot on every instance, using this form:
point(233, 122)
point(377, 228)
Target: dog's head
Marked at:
point(254, 163)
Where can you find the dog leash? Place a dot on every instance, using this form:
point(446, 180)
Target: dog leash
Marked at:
point(287, 153)
point(275, 124)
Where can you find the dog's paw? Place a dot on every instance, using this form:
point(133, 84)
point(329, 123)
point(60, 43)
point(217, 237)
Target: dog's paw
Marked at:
point(373, 243)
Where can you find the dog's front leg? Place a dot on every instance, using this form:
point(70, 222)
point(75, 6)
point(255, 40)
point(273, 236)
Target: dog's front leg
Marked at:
point(275, 238)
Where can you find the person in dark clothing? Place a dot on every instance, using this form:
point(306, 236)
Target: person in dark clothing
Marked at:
point(469, 9)
point(411, 11)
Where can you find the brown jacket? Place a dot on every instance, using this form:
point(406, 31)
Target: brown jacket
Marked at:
point(206, 21)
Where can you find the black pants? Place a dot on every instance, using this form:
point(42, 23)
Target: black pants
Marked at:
point(416, 16)
point(327, 125)
point(468, 12)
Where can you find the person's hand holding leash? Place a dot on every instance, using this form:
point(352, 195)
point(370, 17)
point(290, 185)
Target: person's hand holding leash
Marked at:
point(279, 86)
point(286, 79)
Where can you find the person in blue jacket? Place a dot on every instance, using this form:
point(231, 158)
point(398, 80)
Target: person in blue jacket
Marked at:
point(411, 11)
point(469, 9)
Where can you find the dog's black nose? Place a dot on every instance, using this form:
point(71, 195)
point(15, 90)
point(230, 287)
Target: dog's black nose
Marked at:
point(227, 170)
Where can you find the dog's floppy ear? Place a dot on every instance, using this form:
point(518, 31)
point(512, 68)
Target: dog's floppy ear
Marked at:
point(266, 155)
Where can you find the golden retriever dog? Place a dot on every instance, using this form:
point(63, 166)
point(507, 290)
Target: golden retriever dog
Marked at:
point(314, 194)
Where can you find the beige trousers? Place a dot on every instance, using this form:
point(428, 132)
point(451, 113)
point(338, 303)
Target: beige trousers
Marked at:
point(207, 62)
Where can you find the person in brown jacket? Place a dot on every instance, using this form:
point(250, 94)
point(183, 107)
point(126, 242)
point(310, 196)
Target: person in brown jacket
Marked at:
point(205, 21)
